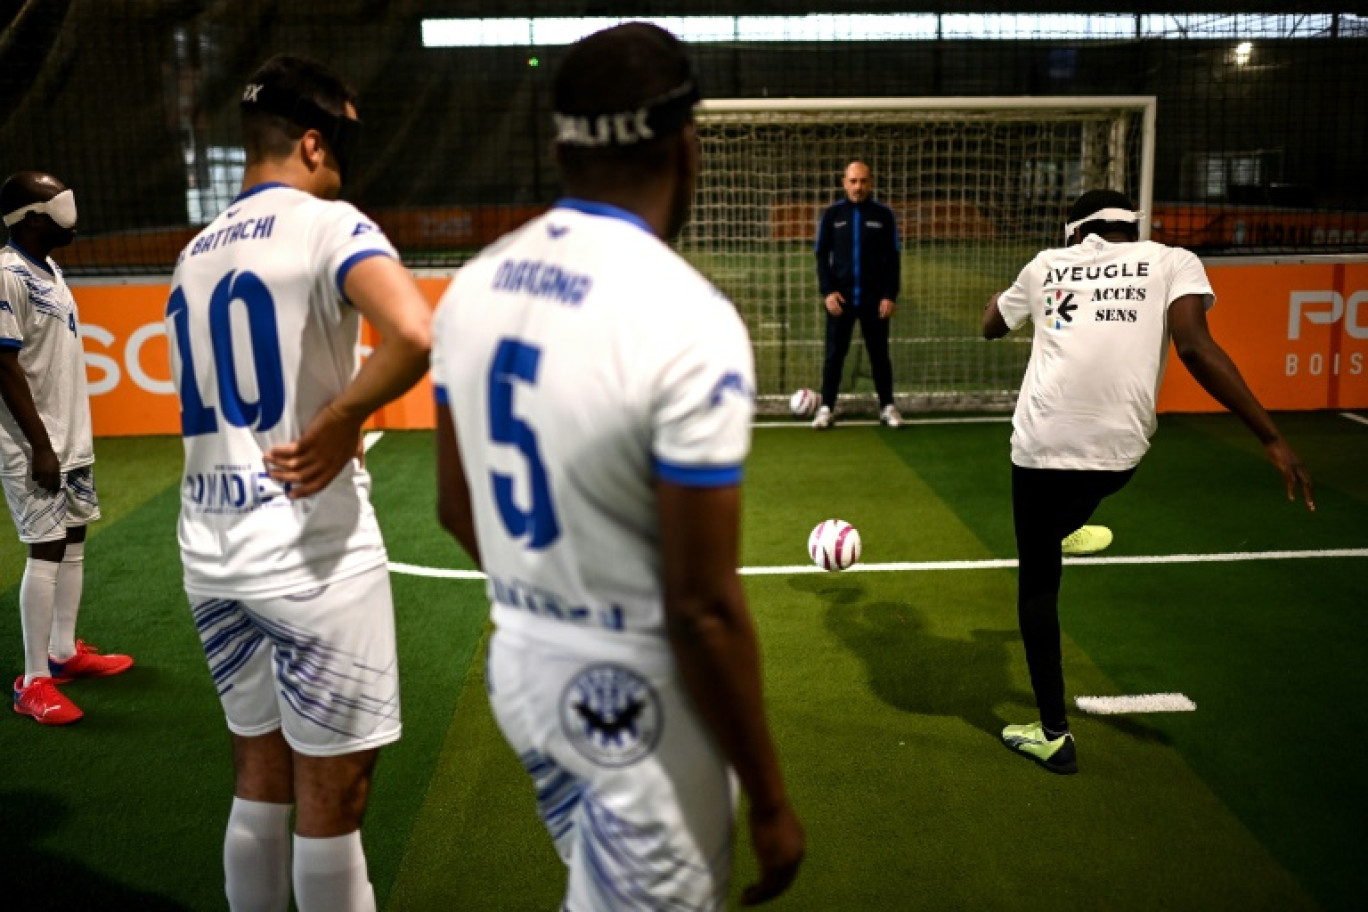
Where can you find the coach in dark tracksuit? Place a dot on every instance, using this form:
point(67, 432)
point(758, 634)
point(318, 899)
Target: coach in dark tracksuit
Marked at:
point(859, 270)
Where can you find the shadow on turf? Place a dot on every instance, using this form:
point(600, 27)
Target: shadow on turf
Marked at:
point(37, 879)
point(915, 671)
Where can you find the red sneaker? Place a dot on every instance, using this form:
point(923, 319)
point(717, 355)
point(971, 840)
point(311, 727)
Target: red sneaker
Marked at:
point(88, 663)
point(44, 702)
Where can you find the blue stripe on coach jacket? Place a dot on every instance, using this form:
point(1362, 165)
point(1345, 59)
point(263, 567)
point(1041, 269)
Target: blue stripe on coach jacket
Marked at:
point(878, 272)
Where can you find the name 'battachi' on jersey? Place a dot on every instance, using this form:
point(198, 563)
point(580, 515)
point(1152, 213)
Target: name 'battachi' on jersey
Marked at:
point(262, 337)
point(582, 359)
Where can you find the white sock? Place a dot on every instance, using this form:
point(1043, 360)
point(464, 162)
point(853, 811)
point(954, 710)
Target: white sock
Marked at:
point(36, 595)
point(256, 857)
point(330, 874)
point(70, 582)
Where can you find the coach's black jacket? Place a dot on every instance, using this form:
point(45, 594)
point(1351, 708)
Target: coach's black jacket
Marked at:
point(858, 253)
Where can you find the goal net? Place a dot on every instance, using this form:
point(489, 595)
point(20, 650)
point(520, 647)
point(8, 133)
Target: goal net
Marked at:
point(978, 186)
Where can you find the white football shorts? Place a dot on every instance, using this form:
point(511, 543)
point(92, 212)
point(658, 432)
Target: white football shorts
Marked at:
point(44, 516)
point(637, 798)
point(320, 665)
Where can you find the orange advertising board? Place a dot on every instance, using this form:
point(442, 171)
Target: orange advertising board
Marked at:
point(128, 365)
point(1297, 331)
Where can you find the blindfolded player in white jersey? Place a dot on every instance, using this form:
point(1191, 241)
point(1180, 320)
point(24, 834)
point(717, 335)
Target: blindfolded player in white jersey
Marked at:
point(1104, 308)
point(284, 564)
point(46, 449)
point(595, 400)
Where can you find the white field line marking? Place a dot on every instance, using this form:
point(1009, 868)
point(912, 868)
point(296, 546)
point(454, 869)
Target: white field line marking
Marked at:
point(1352, 417)
point(1136, 703)
point(996, 564)
point(805, 424)
point(371, 439)
point(434, 572)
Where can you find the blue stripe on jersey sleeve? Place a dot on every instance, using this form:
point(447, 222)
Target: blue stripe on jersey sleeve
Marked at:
point(351, 261)
point(14, 344)
point(698, 476)
point(439, 393)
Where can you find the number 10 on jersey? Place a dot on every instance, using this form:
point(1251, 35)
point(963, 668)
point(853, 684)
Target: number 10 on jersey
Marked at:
point(263, 339)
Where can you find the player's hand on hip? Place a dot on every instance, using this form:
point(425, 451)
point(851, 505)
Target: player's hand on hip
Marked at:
point(779, 843)
point(834, 302)
point(47, 470)
point(886, 308)
point(1294, 473)
point(310, 463)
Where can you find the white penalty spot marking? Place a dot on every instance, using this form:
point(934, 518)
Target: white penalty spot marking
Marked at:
point(370, 439)
point(1135, 703)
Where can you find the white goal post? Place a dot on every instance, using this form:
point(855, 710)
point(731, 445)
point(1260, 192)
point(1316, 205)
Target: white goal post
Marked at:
point(978, 186)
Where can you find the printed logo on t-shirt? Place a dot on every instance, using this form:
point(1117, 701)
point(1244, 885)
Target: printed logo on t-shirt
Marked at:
point(1061, 303)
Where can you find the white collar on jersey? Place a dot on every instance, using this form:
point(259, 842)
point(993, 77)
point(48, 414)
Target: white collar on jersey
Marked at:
point(1102, 215)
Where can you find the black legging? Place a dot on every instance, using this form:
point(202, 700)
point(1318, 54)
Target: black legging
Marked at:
point(1048, 504)
point(875, 332)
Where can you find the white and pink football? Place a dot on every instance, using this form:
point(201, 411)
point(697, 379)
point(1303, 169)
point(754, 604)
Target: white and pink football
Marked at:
point(803, 403)
point(834, 545)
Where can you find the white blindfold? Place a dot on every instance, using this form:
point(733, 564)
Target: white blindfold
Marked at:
point(61, 209)
point(1102, 215)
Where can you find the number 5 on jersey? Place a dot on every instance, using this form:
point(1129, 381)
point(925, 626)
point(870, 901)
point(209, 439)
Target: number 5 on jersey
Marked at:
point(516, 362)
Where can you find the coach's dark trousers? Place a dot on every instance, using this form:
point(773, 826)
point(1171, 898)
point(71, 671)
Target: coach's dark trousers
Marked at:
point(875, 332)
point(1048, 504)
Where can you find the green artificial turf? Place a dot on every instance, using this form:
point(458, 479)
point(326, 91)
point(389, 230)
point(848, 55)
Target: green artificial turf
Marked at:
point(885, 693)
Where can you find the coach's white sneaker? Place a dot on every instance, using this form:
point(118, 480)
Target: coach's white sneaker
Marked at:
point(823, 419)
point(889, 416)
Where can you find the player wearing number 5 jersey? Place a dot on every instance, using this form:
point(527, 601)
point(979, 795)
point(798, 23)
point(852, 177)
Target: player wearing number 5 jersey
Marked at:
point(595, 400)
point(284, 563)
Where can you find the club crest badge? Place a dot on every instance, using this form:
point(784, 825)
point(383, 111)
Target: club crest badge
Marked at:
point(611, 715)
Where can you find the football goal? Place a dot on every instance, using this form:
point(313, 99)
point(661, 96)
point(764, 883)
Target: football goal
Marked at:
point(978, 186)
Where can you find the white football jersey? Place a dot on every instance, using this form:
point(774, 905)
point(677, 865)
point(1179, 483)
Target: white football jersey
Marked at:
point(1098, 354)
point(38, 317)
point(582, 359)
point(261, 339)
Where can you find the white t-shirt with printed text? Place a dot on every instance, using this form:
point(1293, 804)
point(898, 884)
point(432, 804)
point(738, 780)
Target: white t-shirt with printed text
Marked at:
point(582, 359)
point(38, 318)
point(261, 338)
point(1101, 341)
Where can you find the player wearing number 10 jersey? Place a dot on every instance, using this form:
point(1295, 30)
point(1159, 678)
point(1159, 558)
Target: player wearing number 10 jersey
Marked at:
point(284, 563)
point(596, 397)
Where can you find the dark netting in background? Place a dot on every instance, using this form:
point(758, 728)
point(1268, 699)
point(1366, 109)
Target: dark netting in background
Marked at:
point(134, 104)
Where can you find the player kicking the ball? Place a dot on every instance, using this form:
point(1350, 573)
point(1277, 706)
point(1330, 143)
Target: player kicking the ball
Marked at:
point(1104, 307)
point(286, 572)
point(46, 449)
point(596, 396)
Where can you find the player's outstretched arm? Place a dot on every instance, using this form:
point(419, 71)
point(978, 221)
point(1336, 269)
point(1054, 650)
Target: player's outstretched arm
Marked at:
point(386, 295)
point(1212, 368)
point(994, 326)
point(713, 640)
point(45, 469)
point(453, 494)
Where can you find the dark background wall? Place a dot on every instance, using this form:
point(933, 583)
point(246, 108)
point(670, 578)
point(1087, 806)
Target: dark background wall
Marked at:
point(127, 101)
